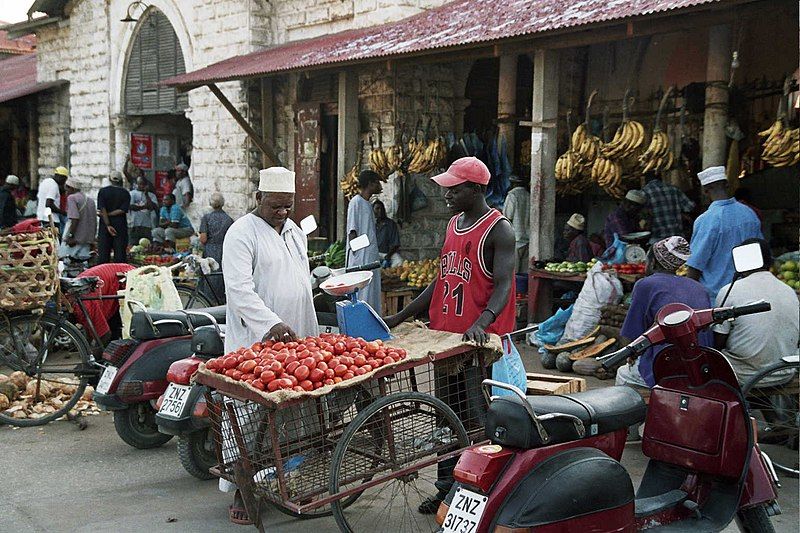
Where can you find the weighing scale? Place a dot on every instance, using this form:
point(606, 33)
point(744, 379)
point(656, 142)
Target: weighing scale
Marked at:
point(634, 253)
point(356, 318)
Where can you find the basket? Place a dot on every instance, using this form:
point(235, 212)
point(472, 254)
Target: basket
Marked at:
point(28, 270)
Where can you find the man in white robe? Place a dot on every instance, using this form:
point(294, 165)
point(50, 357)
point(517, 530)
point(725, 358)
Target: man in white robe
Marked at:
point(267, 286)
point(361, 221)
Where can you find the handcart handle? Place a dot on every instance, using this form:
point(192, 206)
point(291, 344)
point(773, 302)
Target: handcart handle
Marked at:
point(523, 331)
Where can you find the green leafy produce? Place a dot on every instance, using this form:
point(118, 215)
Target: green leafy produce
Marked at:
point(335, 255)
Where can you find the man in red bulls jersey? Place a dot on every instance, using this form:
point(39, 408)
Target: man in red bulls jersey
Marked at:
point(473, 293)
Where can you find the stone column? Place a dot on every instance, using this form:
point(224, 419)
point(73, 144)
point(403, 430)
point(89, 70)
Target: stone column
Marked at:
point(507, 102)
point(543, 153)
point(716, 113)
point(33, 143)
point(348, 140)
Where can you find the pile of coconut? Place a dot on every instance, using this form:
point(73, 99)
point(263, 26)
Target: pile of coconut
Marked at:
point(18, 397)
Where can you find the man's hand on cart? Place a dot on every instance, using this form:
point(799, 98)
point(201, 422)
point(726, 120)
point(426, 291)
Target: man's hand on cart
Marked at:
point(281, 332)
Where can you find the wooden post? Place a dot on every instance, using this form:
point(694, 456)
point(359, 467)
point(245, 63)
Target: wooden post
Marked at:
point(507, 102)
point(716, 113)
point(348, 140)
point(262, 144)
point(543, 153)
point(267, 117)
point(33, 143)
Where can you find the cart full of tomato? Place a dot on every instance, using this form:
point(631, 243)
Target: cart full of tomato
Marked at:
point(306, 365)
point(627, 268)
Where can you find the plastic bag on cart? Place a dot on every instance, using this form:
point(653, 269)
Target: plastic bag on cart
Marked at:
point(600, 288)
point(509, 369)
point(614, 254)
point(551, 330)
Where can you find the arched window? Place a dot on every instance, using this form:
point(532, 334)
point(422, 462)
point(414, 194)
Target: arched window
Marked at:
point(155, 55)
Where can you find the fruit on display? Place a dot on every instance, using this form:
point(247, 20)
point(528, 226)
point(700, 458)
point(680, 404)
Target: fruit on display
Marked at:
point(658, 155)
point(22, 397)
point(142, 246)
point(789, 273)
point(335, 255)
point(306, 365)
point(608, 175)
point(415, 273)
point(781, 145)
point(378, 161)
point(628, 139)
point(578, 267)
point(627, 268)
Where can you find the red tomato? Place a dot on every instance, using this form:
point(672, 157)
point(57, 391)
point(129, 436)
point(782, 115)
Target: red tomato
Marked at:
point(340, 370)
point(318, 385)
point(322, 365)
point(367, 367)
point(316, 375)
point(306, 385)
point(333, 362)
point(274, 385)
point(257, 347)
point(297, 388)
point(352, 345)
point(267, 376)
point(291, 345)
point(371, 362)
point(326, 356)
point(291, 367)
point(247, 366)
point(302, 354)
point(248, 377)
point(258, 370)
point(229, 372)
point(349, 361)
point(359, 360)
point(371, 347)
point(236, 374)
point(276, 367)
point(290, 359)
point(293, 380)
point(360, 371)
point(348, 375)
point(301, 372)
point(257, 383)
point(278, 346)
point(339, 348)
point(240, 358)
point(280, 356)
point(310, 362)
point(329, 382)
point(330, 373)
point(211, 364)
point(337, 379)
point(380, 354)
point(388, 360)
point(352, 368)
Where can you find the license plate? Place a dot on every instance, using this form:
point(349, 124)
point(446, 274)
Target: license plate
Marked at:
point(174, 400)
point(465, 512)
point(106, 379)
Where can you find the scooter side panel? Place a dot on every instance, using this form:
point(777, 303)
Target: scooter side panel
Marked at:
point(618, 520)
point(149, 364)
point(758, 486)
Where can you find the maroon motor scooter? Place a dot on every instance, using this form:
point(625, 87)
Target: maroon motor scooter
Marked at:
point(553, 462)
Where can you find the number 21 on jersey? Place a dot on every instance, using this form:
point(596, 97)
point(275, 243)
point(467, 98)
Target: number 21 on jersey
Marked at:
point(457, 297)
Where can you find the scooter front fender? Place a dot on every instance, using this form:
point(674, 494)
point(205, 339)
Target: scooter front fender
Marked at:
point(758, 486)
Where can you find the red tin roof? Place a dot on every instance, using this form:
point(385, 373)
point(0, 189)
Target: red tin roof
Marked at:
point(18, 78)
point(22, 45)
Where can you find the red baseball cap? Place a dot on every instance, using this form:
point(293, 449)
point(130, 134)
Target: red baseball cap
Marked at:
point(463, 170)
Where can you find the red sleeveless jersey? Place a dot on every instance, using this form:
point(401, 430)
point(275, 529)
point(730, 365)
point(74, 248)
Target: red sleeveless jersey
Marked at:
point(465, 284)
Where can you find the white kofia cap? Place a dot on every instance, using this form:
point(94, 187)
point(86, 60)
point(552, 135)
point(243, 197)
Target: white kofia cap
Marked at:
point(576, 221)
point(12, 180)
point(276, 179)
point(711, 174)
point(636, 196)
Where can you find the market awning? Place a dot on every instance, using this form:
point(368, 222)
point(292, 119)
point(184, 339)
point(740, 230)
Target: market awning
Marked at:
point(18, 78)
point(458, 24)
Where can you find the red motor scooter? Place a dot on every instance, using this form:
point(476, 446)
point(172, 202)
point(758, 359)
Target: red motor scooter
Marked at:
point(552, 464)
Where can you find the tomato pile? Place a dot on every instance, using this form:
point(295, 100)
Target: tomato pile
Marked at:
point(627, 268)
point(306, 365)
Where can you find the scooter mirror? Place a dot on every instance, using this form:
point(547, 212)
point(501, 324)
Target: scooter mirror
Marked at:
point(747, 257)
point(359, 243)
point(308, 225)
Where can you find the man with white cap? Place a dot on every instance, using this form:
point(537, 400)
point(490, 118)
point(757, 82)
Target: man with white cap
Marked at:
point(81, 228)
point(724, 225)
point(267, 279)
point(625, 218)
point(8, 208)
point(50, 196)
point(573, 245)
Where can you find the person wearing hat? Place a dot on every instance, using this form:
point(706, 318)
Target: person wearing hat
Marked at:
point(625, 218)
point(113, 203)
point(474, 293)
point(267, 280)
point(573, 245)
point(49, 197)
point(724, 225)
point(517, 209)
point(660, 287)
point(8, 207)
point(81, 228)
point(184, 190)
point(361, 221)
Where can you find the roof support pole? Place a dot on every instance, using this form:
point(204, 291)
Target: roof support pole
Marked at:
point(507, 102)
point(262, 144)
point(716, 112)
point(347, 146)
point(33, 142)
point(543, 153)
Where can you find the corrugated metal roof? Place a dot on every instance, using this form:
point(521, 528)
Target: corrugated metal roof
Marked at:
point(18, 78)
point(22, 45)
point(458, 23)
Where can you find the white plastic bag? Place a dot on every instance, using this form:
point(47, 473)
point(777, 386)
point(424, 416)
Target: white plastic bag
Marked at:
point(153, 287)
point(600, 288)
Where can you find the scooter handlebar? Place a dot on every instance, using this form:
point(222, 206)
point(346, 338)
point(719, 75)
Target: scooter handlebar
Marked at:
point(369, 266)
point(634, 349)
point(726, 313)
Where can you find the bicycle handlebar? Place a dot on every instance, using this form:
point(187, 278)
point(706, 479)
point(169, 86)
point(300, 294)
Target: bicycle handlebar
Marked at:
point(360, 268)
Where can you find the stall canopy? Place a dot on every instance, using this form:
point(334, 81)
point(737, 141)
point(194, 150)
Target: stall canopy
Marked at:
point(18, 78)
point(462, 23)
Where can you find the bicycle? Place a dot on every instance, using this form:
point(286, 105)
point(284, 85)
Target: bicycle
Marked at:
point(772, 395)
point(55, 355)
point(201, 293)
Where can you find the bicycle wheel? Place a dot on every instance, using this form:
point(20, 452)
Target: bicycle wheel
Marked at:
point(393, 445)
point(55, 358)
point(772, 395)
point(191, 298)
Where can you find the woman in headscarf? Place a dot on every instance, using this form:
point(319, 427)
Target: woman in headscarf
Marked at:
point(661, 287)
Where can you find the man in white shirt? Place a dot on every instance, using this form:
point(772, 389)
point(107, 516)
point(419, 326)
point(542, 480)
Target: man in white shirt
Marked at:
point(267, 281)
point(49, 198)
point(753, 342)
point(517, 209)
point(184, 190)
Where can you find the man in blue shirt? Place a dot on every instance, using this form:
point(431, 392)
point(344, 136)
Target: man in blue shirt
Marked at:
point(173, 222)
point(725, 224)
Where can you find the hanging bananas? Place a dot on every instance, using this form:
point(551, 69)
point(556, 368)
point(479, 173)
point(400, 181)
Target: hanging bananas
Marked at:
point(425, 155)
point(781, 145)
point(628, 138)
point(586, 146)
point(379, 163)
point(658, 155)
point(606, 173)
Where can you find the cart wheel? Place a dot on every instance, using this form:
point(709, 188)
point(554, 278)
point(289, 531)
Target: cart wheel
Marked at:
point(388, 443)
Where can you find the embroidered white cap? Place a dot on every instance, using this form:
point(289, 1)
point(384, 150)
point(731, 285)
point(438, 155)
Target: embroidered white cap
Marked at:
point(276, 179)
point(711, 174)
point(576, 221)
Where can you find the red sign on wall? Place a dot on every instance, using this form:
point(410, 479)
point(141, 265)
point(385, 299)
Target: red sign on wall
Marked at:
point(142, 150)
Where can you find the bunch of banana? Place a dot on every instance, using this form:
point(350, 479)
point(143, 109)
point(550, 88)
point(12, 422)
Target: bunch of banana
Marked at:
point(585, 145)
point(349, 183)
point(606, 173)
point(781, 145)
point(568, 166)
point(393, 157)
point(426, 155)
point(628, 138)
point(658, 155)
point(379, 163)
point(568, 188)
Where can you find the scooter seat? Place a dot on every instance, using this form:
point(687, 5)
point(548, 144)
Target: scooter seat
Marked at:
point(142, 329)
point(601, 411)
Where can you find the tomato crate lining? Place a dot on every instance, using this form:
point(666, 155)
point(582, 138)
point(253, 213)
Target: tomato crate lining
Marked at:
point(288, 446)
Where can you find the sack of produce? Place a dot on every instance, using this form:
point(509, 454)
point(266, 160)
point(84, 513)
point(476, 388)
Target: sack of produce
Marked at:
point(601, 288)
point(152, 286)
